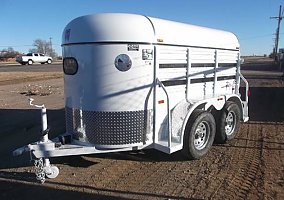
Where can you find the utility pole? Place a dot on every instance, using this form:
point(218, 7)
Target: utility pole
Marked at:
point(279, 18)
point(50, 46)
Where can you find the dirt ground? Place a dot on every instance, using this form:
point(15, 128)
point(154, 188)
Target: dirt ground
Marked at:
point(249, 167)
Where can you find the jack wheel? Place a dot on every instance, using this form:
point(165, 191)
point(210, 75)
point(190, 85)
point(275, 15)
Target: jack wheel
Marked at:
point(52, 172)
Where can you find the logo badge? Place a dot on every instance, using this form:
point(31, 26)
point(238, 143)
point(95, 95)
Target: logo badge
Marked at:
point(67, 34)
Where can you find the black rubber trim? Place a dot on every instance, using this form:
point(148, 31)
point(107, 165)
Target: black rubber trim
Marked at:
point(178, 45)
point(201, 80)
point(196, 65)
point(222, 78)
point(196, 80)
point(161, 44)
point(106, 43)
point(174, 82)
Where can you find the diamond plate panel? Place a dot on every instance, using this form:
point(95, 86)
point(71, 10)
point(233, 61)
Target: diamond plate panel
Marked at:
point(107, 128)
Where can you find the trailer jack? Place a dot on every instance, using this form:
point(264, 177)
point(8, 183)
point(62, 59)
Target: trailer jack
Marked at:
point(43, 168)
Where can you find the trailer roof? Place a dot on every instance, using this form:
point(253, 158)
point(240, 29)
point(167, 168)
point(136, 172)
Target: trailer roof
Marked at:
point(133, 28)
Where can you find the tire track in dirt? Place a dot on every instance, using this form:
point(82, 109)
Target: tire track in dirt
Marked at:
point(245, 166)
point(211, 178)
point(141, 177)
point(271, 152)
point(138, 179)
point(148, 179)
point(236, 170)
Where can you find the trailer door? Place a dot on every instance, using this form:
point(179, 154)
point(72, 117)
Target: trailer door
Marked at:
point(171, 65)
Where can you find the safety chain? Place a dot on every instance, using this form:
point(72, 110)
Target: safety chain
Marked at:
point(39, 170)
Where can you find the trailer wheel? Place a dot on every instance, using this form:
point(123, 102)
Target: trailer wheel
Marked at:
point(228, 123)
point(199, 134)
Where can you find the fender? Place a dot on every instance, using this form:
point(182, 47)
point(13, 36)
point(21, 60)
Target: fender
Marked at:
point(217, 102)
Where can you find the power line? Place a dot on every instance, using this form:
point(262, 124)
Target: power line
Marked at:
point(24, 45)
point(50, 44)
point(257, 36)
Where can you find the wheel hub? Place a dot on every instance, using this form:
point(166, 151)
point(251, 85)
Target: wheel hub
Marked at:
point(201, 136)
point(230, 123)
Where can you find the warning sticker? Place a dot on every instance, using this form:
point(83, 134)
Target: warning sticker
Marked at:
point(133, 47)
point(147, 54)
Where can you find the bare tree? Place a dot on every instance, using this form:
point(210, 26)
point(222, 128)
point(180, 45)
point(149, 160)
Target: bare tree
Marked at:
point(8, 53)
point(42, 46)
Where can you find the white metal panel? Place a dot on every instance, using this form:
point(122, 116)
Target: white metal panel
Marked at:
point(122, 27)
point(227, 56)
point(200, 55)
point(196, 91)
point(190, 35)
point(225, 87)
point(172, 74)
point(176, 94)
point(201, 72)
point(100, 86)
point(226, 71)
point(172, 55)
point(109, 27)
point(172, 49)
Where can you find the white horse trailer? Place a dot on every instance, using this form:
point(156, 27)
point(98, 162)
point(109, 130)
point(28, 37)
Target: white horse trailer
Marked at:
point(134, 82)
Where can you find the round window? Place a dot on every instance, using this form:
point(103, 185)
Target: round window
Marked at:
point(123, 62)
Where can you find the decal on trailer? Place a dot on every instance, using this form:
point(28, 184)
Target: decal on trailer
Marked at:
point(147, 54)
point(133, 47)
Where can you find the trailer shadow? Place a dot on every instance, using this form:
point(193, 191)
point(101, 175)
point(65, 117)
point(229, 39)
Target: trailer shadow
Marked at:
point(20, 127)
point(25, 189)
point(268, 66)
point(266, 104)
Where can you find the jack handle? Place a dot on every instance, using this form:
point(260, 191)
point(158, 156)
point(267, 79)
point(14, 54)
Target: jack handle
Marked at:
point(37, 106)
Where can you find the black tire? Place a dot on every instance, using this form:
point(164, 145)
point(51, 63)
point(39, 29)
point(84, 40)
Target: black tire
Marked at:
point(199, 134)
point(30, 62)
point(49, 61)
point(228, 122)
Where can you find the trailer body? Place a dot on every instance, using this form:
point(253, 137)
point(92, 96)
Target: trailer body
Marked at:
point(134, 82)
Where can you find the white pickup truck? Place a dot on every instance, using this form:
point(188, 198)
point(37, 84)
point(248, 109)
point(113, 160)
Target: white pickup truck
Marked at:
point(31, 58)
